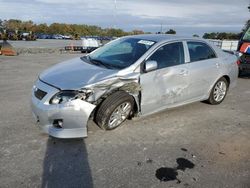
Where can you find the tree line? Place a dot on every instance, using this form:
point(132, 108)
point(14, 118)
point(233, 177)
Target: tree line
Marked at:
point(77, 30)
point(222, 35)
point(225, 35)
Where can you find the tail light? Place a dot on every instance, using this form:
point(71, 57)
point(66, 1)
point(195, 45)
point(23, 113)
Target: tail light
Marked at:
point(238, 62)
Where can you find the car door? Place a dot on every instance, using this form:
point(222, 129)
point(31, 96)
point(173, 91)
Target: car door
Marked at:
point(204, 68)
point(167, 85)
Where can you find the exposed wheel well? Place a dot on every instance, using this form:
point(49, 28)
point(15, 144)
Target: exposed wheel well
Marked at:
point(105, 96)
point(227, 78)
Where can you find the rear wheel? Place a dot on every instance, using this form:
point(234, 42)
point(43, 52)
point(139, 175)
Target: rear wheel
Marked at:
point(240, 73)
point(114, 110)
point(218, 92)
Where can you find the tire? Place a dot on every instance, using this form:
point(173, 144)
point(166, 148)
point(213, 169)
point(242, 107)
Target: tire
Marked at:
point(218, 92)
point(114, 110)
point(240, 73)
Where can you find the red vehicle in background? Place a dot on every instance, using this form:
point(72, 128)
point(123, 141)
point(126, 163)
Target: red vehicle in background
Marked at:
point(244, 52)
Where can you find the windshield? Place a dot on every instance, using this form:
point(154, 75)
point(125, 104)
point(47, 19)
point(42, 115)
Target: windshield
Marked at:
point(120, 53)
point(247, 35)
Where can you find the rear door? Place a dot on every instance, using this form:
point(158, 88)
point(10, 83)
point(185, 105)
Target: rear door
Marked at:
point(167, 85)
point(204, 68)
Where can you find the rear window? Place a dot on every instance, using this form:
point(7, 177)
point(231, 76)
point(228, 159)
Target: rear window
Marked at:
point(199, 51)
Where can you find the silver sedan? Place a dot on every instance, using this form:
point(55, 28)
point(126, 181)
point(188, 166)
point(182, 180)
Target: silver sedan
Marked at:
point(130, 76)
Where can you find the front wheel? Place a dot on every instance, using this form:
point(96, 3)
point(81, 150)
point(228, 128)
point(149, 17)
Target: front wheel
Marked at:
point(114, 110)
point(218, 92)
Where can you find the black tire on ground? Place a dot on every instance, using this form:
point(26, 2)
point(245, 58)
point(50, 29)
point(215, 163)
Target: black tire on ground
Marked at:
point(109, 105)
point(240, 73)
point(211, 99)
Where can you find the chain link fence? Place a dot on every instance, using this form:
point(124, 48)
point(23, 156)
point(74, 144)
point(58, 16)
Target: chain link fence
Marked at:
point(228, 45)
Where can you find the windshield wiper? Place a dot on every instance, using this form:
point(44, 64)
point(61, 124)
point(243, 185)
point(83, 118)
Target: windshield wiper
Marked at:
point(92, 61)
point(85, 58)
point(99, 62)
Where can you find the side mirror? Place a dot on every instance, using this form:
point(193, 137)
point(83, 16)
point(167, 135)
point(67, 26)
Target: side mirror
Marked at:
point(150, 66)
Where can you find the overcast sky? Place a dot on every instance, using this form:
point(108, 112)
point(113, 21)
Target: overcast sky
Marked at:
point(185, 16)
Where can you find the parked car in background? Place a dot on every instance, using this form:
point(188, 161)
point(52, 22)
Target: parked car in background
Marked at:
point(130, 76)
point(244, 52)
point(57, 36)
point(89, 45)
point(44, 36)
point(67, 37)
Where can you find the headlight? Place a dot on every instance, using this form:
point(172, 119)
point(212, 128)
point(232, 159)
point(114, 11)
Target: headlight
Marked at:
point(68, 95)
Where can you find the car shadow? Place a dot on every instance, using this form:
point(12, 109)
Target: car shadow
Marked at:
point(66, 164)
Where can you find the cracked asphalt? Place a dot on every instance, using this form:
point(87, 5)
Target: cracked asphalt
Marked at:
point(197, 145)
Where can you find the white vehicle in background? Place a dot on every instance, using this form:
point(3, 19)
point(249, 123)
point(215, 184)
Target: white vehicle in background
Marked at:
point(57, 36)
point(25, 35)
point(89, 45)
point(67, 37)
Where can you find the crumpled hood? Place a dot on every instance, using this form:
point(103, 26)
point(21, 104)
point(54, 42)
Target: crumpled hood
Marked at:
point(75, 74)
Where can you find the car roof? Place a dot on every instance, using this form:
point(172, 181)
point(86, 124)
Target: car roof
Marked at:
point(163, 37)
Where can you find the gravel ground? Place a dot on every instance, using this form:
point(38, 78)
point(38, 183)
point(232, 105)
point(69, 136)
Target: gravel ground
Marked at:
point(42, 45)
point(45, 43)
point(197, 145)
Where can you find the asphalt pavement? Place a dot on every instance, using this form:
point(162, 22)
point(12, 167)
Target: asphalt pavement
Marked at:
point(197, 145)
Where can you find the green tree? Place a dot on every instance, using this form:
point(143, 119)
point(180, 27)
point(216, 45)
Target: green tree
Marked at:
point(247, 25)
point(137, 32)
point(41, 28)
point(222, 36)
point(75, 30)
point(27, 26)
point(115, 32)
point(1, 26)
point(210, 35)
point(171, 31)
point(12, 24)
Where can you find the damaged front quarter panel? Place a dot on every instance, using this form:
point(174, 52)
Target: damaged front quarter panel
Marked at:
point(129, 83)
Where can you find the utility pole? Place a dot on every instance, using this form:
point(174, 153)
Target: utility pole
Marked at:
point(115, 15)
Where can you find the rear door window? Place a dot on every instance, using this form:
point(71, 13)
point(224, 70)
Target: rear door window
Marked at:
point(199, 51)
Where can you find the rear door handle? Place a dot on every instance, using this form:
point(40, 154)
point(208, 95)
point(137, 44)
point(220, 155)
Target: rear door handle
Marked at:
point(217, 65)
point(183, 72)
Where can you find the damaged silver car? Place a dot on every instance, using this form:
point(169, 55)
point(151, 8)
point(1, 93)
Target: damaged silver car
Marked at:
point(130, 76)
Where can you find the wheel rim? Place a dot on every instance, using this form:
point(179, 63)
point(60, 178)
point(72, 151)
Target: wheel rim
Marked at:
point(220, 90)
point(119, 115)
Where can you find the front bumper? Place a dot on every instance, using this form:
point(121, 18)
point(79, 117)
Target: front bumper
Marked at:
point(73, 114)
